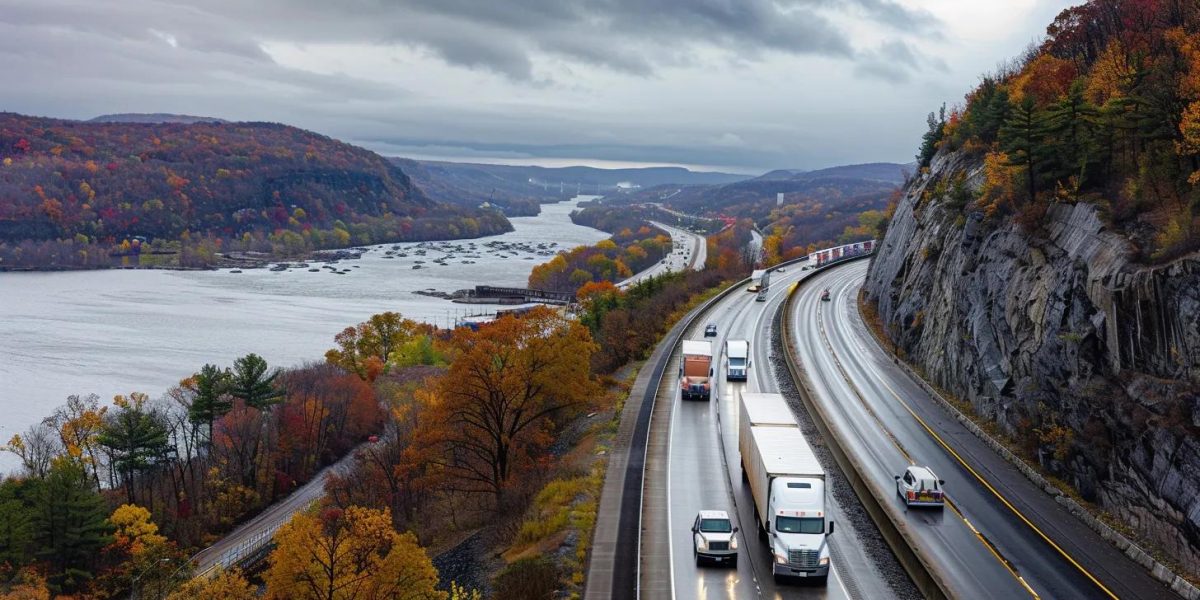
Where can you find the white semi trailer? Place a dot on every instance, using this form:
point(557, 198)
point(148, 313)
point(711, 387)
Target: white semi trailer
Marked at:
point(788, 485)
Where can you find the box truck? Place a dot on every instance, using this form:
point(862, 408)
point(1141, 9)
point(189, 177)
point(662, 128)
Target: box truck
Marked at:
point(695, 370)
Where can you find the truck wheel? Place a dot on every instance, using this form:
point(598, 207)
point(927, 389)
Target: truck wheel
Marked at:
point(745, 477)
point(733, 563)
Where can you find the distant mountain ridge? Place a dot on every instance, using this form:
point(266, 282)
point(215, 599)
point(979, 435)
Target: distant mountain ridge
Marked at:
point(518, 190)
point(79, 189)
point(152, 118)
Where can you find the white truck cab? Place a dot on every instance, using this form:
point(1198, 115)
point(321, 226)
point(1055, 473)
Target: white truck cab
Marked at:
point(737, 356)
point(797, 531)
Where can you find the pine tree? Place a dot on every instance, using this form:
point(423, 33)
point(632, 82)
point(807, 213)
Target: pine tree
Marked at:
point(70, 524)
point(1070, 129)
point(929, 141)
point(136, 439)
point(252, 384)
point(1021, 139)
point(211, 385)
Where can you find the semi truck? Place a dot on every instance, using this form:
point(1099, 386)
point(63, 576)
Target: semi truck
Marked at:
point(764, 283)
point(788, 485)
point(737, 356)
point(756, 282)
point(695, 370)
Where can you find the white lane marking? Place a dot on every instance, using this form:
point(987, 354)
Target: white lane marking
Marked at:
point(670, 520)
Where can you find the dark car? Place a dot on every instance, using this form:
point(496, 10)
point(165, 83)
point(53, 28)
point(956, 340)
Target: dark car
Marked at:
point(710, 331)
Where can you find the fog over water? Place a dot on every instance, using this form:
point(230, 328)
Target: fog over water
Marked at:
point(121, 331)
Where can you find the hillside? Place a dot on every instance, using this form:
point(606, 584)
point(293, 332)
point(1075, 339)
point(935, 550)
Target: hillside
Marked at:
point(838, 204)
point(73, 193)
point(1042, 264)
point(469, 185)
point(153, 118)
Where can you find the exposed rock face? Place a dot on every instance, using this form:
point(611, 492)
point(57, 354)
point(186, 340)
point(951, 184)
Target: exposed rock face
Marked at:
point(1090, 360)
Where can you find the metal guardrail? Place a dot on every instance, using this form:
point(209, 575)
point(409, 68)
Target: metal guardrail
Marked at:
point(246, 553)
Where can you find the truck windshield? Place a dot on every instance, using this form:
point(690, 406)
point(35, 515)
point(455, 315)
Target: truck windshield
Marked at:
point(736, 362)
point(799, 525)
point(715, 525)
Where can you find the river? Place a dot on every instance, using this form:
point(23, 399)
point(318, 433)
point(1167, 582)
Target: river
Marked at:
point(120, 331)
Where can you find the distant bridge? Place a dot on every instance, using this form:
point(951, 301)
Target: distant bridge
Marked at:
point(524, 294)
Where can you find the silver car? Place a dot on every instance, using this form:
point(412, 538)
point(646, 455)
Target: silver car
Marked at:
point(714, 538)
point(918, 486)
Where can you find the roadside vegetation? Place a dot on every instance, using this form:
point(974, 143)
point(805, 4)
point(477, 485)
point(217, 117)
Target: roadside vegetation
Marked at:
point(498, 432)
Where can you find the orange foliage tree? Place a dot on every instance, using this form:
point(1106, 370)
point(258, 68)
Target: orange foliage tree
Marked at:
point(507, 382)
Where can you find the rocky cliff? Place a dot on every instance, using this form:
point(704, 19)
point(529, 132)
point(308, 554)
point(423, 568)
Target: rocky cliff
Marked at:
point(1090, 361)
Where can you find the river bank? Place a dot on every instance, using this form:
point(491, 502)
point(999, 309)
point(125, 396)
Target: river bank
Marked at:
point(117, 331)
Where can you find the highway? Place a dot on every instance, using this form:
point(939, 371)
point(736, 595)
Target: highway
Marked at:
point(1002, 537)
point(704, 472)
point(689, 250)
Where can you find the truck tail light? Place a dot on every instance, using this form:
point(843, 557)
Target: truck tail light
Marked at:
point(911, 495)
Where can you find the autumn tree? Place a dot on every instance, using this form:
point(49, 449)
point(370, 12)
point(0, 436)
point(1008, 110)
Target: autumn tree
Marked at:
point(366, 348)
point(223, 585)
point(348, 555)
point(79, 423)
point(505, 384)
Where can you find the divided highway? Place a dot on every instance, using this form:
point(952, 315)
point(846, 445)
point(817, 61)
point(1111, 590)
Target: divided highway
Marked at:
point(703, 471)
point(1002, 537)
point(689, 251)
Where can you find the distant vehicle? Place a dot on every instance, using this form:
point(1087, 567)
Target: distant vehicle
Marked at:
point(920, 487)
point(787, 483)
point(714, 538)
point(695, 370)
point(711, 330)
point(737, 353)
point(756, 280)
point(825, 295)
point(764, 283)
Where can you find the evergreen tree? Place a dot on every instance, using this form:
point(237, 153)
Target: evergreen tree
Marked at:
point(1070, 130)
point(211, 385)
point(16, 522)
point(252, 384)
point(929, 141)
point(70, 524)
point(136, 439)
point(1021, 138)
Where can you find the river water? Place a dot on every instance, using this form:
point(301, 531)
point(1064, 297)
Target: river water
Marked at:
point(121, 331)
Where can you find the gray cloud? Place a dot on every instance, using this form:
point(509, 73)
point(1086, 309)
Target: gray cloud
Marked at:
point(79, 58)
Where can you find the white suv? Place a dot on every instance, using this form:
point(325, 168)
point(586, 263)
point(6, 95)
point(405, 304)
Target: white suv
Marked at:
point(714, 538)
point(920, 487)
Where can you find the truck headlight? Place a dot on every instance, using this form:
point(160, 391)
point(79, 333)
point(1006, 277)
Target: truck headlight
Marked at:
point(781, 559)
point(703, 544)
point(824, 561)
point(733, 543)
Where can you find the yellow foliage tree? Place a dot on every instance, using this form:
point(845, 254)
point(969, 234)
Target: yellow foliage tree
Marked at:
point(349, 554)
point(134, 529)
point(224, 585)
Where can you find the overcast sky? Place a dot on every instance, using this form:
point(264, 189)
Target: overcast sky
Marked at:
point(740, 85)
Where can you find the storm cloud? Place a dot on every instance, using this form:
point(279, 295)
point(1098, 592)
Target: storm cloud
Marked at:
point(746, 84)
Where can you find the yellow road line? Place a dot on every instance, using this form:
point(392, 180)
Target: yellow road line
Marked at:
point(1008, 566)
point(997, 493)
